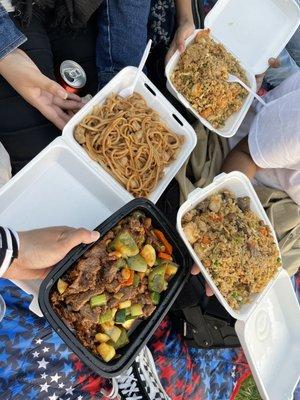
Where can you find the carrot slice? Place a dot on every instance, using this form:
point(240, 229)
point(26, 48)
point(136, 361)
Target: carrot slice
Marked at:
point(129, 281)
point(162, 238)
point(126, 274)
point(264, 231)
point(205, 240)
point(164, 256)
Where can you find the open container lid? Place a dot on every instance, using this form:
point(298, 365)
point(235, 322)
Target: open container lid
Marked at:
point(254, 30)
point(270, 338)
point(57, 188)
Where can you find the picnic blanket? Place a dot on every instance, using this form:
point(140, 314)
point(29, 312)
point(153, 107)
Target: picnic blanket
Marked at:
point(35, 364)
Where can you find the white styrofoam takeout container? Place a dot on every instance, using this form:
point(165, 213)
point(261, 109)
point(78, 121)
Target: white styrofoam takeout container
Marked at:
point(240, 185)
point(63, 186)
point(155, 100)
point(269, 326)
point(241, 26)
point(57, 188)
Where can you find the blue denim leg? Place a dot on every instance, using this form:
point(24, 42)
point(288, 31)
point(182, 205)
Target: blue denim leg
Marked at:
point(10, 36)
point(293, 47)
point(289, 61)
point(288, 67)
point(122, 36)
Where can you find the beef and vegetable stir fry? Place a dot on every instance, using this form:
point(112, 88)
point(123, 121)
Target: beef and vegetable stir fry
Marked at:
point(233, 244)
point(117, 281)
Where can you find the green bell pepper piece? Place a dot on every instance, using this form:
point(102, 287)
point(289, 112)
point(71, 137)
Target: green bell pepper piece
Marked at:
point(122, 341)
point(136, 310)
point(107, 316)
point(124, 244)
point(120, 316)
point(137, 263)
point(156, 280)
point(136, 280)
point(99, 300)
point(155, 297)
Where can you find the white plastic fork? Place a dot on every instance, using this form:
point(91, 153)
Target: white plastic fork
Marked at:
point(128, 91)
point(235, 79)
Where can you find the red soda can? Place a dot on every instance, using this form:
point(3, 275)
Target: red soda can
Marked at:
point(72, 76)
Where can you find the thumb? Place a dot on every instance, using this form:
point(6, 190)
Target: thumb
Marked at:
point(195, 270)
point(74, 237)
point(180, 43)
point(181, 46)
point(53, 87)
point(208, 290)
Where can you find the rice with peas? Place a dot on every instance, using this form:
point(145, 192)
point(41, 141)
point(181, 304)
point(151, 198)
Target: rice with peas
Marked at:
point(234, 245)
point(201, 77)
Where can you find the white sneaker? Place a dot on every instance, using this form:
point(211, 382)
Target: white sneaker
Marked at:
point(139, 382)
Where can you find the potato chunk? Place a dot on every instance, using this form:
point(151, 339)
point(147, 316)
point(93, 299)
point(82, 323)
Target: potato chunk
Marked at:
point(106, 351)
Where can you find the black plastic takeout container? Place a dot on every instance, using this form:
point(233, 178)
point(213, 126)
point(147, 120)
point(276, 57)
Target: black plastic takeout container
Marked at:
point(143, 332)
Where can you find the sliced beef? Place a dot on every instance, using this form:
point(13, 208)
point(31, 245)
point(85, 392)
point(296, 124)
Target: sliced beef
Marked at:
point(148, 310)
point(244, 203)
point(114, 286)
point(110, 271)
point(129, 293)
point(113, 302)
point(143, 298)
point(143, 286)
point(136, 230)
point(76, 301)
point(254, 251)
point(86, 276)
point(66, 314)
point(86, 332)
point(91, 315)
point(203, 206)
point(55, 298)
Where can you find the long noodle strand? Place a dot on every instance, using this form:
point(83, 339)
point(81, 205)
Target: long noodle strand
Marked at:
point(128, 139)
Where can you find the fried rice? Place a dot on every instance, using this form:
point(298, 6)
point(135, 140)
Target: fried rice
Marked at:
point(235, 246)
point(201, 77)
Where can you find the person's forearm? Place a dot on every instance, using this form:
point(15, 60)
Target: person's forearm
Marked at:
point(9, 63)
point(239, 159)
point(184, 11)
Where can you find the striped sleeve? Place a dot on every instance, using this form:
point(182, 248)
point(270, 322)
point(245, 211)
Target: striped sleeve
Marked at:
point(9, 248)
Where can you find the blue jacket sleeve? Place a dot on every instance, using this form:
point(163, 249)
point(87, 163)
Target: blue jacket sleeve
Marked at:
point(10, 36)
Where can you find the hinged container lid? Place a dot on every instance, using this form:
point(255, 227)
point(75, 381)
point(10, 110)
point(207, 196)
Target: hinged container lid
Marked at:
point(57, 188)
point(254, 30)
point(270, 338)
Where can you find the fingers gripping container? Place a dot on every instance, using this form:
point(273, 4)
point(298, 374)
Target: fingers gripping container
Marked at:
point(242, 27)
point(269, 326)
point(143, 332)
point(63, 186)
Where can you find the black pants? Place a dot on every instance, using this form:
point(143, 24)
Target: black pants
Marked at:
point(23, 130)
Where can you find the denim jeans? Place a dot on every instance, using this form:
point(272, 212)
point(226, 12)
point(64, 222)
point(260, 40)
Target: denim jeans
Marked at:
point(289, 61)
point(10, 36)
point(122, 36)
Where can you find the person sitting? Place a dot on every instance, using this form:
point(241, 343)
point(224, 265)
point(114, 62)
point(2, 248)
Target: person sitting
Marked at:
point(28, 87)
point(267, 146)
point(123, 32)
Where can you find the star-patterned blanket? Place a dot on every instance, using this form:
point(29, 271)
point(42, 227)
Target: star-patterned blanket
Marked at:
point(35, 364)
